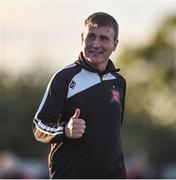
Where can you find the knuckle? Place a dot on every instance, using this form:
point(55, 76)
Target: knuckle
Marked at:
point(80, 135)
point(83, 131)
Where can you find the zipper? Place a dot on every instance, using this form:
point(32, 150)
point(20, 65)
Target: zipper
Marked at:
point(101, 77)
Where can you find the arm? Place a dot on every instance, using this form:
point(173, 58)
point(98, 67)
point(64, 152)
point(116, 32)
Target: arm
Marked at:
point(46, 126)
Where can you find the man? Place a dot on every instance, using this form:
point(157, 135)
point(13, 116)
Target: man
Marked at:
point(82, 109)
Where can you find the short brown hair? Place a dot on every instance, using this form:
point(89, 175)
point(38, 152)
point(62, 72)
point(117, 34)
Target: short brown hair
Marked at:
point(103, 19)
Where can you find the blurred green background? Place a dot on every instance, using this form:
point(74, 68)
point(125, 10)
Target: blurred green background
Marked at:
point(149, 138)
point(150, 121)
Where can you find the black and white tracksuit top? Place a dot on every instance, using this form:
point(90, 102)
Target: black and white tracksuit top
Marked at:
point(100, 98)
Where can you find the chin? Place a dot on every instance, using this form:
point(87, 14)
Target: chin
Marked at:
point(95, 59)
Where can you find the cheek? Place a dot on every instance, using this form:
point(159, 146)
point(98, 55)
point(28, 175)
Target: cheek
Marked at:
point(86, 44)
point(109, 48)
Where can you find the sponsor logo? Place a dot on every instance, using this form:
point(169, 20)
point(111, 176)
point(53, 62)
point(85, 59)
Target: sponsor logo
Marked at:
point(72, 84)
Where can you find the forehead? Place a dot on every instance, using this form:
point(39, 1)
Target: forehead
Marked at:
point(99, 30)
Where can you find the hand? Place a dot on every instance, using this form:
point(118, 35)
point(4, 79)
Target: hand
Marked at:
point(75, 127)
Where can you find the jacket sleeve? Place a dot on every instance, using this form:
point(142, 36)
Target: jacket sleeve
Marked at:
point(123, 99)
point(46, 125)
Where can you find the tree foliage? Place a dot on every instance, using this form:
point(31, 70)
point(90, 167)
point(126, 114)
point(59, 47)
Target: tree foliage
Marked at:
point(150, 71)
point(19, 100)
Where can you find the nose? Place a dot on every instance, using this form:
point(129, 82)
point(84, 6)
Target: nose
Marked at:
point(96, 43)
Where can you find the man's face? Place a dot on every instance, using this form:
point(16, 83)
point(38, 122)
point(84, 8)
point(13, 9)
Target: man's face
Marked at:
point(98, 44)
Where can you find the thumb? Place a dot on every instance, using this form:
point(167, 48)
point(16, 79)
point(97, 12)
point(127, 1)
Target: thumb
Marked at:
point(77, 114)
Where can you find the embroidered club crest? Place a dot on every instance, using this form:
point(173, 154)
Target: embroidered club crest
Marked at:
point(115, 95)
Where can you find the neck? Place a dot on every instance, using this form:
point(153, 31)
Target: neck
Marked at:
point(100, 67)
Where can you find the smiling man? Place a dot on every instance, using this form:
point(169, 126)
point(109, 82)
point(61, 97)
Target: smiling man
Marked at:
point(98, 41)
point(82, 110)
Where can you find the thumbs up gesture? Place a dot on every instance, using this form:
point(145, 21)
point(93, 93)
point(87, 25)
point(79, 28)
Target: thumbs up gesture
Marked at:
point(75, 127)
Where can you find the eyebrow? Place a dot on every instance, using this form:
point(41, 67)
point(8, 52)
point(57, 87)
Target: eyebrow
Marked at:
point(101, 35)
point(104, 36)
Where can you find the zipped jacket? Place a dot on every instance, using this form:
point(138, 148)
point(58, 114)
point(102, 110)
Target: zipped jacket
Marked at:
point(100, 96)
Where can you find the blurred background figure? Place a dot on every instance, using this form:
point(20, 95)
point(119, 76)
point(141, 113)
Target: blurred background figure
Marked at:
point(13, 167)
point(138, 166)
point(9, 166)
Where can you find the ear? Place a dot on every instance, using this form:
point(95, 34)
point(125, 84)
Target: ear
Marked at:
point(115, 44)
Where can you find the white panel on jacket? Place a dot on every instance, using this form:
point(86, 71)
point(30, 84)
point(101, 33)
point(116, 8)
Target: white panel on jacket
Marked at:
point(82, 81)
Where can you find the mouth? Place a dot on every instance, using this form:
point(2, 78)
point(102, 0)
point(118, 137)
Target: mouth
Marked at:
point(96, 52)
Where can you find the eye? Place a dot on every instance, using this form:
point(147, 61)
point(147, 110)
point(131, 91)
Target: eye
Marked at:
point(91, 36)
point(104, 38)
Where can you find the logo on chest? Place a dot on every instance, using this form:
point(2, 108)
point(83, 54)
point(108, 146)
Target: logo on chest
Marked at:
point(72, 84)
point(115, 95)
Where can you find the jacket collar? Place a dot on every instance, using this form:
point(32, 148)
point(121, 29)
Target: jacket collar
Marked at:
point(82, 62)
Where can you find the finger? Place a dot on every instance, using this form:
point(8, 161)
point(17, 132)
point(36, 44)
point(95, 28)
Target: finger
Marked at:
point(76, 136)
point(81, 122)
point(77, 114)
point(77, 122)
point(78, 131)
point(79, 127)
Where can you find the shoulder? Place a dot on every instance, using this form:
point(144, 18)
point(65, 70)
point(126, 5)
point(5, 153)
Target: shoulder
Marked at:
point(119, 77)
point(62, 77)
point(121, 80)
point(66, 73)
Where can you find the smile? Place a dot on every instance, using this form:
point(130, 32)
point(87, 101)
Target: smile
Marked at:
point(96, 52)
